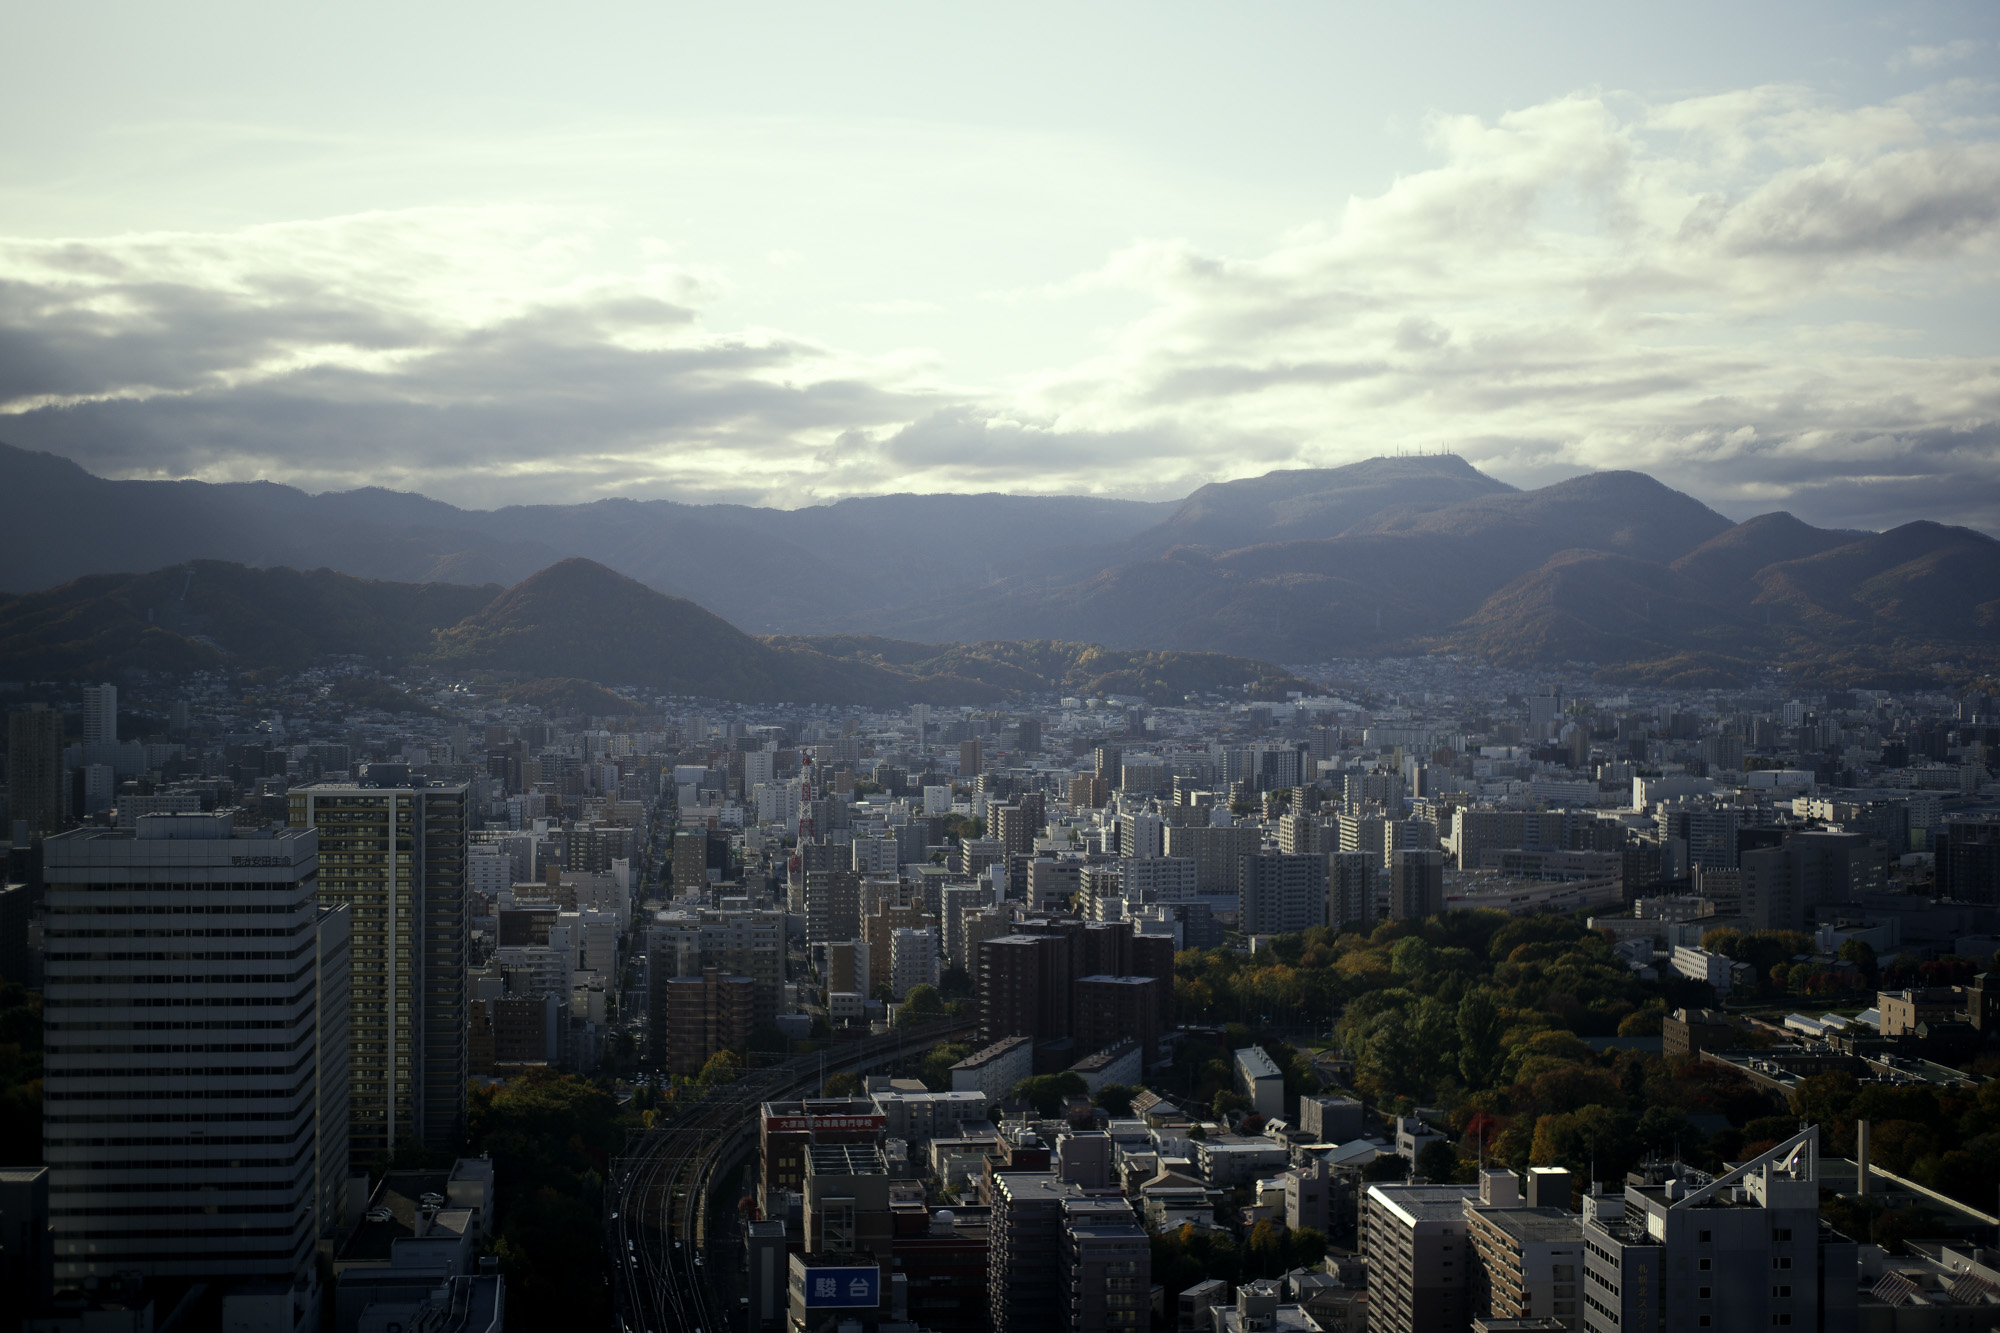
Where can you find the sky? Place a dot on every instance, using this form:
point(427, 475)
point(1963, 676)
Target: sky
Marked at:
point(779, 254)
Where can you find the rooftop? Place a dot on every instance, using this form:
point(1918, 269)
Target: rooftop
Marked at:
point(1256, 1063)
point(1424, 1203)
point(1533, 1225)
point(845, 1159)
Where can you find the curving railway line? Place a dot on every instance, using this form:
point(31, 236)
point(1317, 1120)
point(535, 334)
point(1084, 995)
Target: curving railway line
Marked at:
point(657, 1206)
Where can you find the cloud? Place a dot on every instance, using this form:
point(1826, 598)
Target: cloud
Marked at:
point(1739, 293)
point(902, 307)
point(1929, 57)
point(1576, 288)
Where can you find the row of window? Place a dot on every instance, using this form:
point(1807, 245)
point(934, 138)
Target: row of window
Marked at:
point(177, 1094)
point(185, 956)
point(75, 1248)
point(182, 1141)
point(177, 1210)
point(184, 1163)
point(178, 933)
point(146, 889)
point(168, 1118)
point(178, 1186)
point(180, 1024)
point(182, 909)
point(183, 979)
point(215, 1048)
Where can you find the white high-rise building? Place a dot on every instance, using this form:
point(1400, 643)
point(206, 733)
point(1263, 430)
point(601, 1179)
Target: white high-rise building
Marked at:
point(100, 714)
point(876, 856)
point(1141, 834)
point(913, 959)
point(197, 1052)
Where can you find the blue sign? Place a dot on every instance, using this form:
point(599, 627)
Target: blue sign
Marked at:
point(843, 1286)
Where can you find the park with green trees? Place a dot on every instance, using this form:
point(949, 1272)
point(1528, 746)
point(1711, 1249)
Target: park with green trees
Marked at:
point(1487, 1021)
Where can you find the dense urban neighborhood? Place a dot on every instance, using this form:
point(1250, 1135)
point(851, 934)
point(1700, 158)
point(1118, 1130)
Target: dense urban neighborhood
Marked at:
point(1425, 994)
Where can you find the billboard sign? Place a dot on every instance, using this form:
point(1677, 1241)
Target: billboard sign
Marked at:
point(843, 1286)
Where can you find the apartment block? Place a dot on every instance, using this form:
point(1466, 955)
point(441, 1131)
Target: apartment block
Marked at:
point(1107, 1259)
point(1415, 1240)
point(396, 857)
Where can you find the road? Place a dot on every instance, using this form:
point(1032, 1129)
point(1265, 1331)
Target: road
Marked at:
point(658, 1204)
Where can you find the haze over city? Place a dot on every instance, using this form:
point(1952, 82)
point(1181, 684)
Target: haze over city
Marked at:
point(967, 669)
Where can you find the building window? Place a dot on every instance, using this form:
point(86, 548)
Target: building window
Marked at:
point(1705, 1321)
point(1705, 1292)
point(1781, 1292)
point(1704, 1265)
point(1704, 1236)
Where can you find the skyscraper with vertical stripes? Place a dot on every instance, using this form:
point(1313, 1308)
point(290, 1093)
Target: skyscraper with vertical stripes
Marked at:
point(396, 855)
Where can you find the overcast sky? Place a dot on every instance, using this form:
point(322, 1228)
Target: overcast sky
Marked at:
point(778, 253)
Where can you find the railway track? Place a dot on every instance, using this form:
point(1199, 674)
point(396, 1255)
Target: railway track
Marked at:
point(657, 1205)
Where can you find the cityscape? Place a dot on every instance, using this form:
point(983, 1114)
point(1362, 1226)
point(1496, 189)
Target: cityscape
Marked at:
point(1096, 1013)
point(967, 669)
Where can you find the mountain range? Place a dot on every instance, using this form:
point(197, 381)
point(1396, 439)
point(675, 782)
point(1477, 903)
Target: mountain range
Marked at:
point(1390, 555)
point(553, 639)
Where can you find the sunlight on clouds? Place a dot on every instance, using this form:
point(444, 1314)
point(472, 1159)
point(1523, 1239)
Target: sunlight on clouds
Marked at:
point(1708, 289)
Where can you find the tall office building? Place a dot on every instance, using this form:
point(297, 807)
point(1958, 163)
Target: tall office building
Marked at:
point(397, 856)
point(100, 714)
point(1217, 853)
point(736, 941)
point(1416, 885)
point(1783, 886)
point(1350, 889)
point(1968, 861)
point(197, 1051)
point(833, 906)
point(34, 769)
point(1283, 893)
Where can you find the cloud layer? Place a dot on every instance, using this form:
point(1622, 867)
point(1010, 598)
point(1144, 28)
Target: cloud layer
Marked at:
point(1755, 296)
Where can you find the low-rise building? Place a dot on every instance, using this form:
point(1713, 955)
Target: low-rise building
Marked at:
point(1259, 1079)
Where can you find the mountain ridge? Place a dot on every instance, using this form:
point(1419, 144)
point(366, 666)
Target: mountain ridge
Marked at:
point(557, 636)
point(1391, 555)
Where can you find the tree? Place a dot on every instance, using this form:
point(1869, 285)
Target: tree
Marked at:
point(922, 1004)
point(1047, 1091)
point(1413, 957)
point(722, 1067)
point(1438, 1162)
point(935, 1068)
point(843, 1085)
point(1116, 1099)
point(1862, 954)
point(1264, 1249)
point(1386, 1167)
